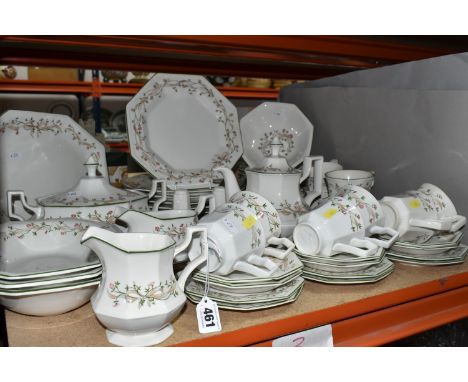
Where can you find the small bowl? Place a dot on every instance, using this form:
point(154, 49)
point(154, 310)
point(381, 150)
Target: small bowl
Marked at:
point(338, 180)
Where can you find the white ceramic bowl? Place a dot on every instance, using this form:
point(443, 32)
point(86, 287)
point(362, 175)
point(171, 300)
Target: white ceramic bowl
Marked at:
point(339, 180)
point(49, 302)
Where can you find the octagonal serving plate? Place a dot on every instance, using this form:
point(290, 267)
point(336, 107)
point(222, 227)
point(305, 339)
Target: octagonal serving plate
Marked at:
point(43, 154)
point(180, 128)
point(276, 119)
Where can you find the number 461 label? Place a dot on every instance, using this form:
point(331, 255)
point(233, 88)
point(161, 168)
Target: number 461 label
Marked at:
point(208, 316)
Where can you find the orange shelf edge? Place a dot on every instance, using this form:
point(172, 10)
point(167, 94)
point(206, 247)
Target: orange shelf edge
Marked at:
point(395, 306)
point(103, 88)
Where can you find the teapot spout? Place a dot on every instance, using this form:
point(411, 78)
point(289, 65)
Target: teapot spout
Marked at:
point(230, 181)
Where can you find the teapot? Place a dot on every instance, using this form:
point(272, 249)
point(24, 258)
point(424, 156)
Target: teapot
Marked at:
point(279, 183)
point(139, 296)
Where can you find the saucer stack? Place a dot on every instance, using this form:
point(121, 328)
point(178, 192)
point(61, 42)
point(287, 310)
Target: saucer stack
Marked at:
point(240, 291)
point(442, 249)
point(345, 268)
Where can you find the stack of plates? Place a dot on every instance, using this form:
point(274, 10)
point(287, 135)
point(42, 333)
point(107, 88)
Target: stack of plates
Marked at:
point(346, 268)
point(240, 291)
point(442, 249)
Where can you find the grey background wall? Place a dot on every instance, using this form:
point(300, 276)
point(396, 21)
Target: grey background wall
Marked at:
point(407, 136)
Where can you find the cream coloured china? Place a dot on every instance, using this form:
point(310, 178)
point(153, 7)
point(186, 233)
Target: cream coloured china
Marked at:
point(279, 183)
point(422, 211)
point(139, 296)
point(339, 180)
point(453, 256)
point(251, 301)
point(42, 154)
point(49, 301)
point(180, 127)
point(93, 198)
point(237, 241)
point(326, 167)
point(343, 224)
point(272, 120)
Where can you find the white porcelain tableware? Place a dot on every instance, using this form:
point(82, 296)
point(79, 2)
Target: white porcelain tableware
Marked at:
point(326, 167)
point(139, 295)
point(93, 198)
point(423, 211)
point(343, 224)
point(42, 154)
point(180, 127)
point(279, 120)
point(237, 241)
point(339, 180)
point(49, 301)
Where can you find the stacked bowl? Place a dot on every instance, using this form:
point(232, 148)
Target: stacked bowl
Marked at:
point(43, 268)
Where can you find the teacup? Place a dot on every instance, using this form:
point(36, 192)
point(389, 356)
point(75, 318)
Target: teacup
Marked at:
point(426, 210)
point(343, 225)
point(340, 180)
point(236, 242)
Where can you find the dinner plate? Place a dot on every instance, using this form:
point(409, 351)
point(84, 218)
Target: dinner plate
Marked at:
point(276, 119)
point(180, 128)
point(43, 154)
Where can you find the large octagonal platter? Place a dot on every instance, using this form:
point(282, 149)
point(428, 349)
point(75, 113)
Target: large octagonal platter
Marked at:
point(43, 154)
point(180, 128)
point(276, 119)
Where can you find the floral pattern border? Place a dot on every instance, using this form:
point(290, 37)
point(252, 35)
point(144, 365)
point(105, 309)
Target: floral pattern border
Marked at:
point(43, 227)
point(148, 295)
point(225, 118)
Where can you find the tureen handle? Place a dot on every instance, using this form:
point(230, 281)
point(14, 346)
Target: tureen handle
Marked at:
point(154, 188)
point(38, 211)
point(313, 165)
point(198, 260)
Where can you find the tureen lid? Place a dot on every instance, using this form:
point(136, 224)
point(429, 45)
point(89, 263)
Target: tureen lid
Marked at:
point(91, 190)
point(275, 163)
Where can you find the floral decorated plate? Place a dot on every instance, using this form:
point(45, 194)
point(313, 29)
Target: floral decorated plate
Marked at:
point(43, 154)
point(276, 119)
point(444, 257)
point(181, 127)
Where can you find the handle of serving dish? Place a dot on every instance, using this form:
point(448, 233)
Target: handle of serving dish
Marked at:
point(37, 211)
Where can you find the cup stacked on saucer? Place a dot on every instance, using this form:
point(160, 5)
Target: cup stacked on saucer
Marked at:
point(43, 268)
point(336, 244)
point(249, 267)
point(429, 226)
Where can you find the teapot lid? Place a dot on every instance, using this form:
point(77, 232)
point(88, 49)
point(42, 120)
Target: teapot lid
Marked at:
point(275, 162)
point(91, 190)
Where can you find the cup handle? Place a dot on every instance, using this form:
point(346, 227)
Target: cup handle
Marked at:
point(202, 203)
point(191, 266)
point(154, 188)
point(451, 224)
point(353, 247)
point(262, 262)
point(276, 252)
point(317, 167)
point(384, 230)
point(253, 270)
point(37, 211)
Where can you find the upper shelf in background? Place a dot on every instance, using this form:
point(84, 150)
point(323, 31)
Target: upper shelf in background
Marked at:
point(104, 88)
point(292, 57)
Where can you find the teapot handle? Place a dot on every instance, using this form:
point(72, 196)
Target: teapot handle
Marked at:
point(37, 211)
point(315, 163)
point(202, 202)
point(191, 266)
point(154, 188)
